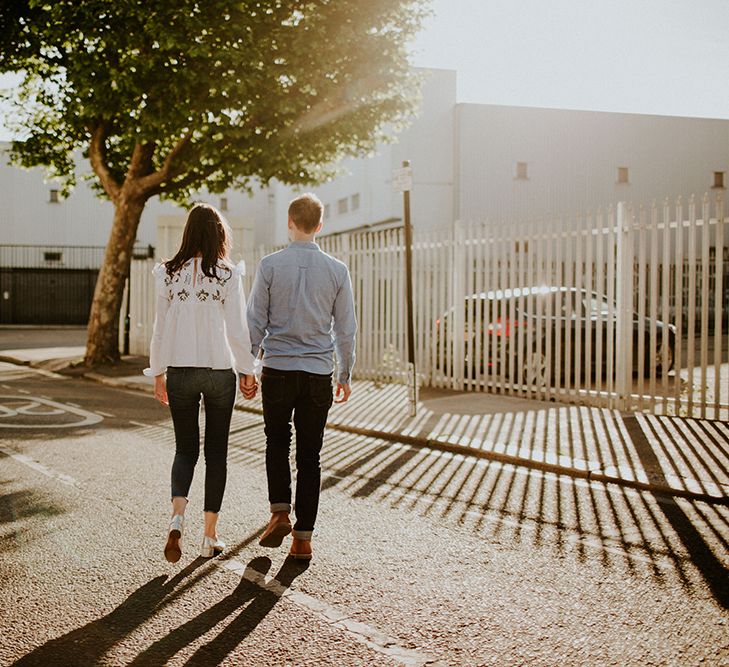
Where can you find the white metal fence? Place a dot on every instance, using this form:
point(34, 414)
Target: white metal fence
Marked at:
point(625, 307)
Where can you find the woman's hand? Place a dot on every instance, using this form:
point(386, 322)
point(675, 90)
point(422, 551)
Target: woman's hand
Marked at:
point(248, 386)
point(160, 389)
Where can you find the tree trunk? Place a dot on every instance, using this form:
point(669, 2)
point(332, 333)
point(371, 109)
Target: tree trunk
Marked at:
point(102, 344)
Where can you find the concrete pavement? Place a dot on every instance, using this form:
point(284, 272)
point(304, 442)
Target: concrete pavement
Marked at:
point(668, 455)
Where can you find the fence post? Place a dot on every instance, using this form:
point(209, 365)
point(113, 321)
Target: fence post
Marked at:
point(624, 307)
point(459, 298)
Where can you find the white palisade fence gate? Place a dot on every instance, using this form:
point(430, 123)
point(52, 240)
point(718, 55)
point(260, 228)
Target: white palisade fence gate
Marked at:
point(624, 307)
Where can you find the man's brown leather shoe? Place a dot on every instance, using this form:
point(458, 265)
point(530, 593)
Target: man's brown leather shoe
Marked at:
point(278, 527)
point(300, 549)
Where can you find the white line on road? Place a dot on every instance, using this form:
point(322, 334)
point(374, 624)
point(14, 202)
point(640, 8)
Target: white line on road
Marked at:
point(361, 632)
point(39, 467)
point(104, 414)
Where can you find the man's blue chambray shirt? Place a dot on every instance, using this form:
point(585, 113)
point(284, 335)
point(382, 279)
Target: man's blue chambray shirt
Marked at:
point(301, 310)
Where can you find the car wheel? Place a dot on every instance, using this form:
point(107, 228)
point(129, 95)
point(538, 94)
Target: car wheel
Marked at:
point(668, 346)
point(536, 369)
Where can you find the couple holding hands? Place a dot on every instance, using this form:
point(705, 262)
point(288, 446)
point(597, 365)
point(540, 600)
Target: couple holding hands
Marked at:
point(206, 342)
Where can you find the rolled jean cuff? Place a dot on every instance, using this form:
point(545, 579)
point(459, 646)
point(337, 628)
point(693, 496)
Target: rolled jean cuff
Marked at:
point(302, 534)
point(281, 507)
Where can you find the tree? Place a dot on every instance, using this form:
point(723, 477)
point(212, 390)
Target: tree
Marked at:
point(167, 97)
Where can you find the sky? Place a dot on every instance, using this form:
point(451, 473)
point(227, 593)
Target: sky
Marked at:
point(666, 57)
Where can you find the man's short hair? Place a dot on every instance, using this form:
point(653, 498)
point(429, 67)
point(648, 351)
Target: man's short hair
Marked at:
point(306, 211)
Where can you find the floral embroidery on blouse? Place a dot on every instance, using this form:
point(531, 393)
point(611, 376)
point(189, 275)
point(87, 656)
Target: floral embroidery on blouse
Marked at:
point(202, 295)
point(183, 294)
point(218, 297)
point(222, 279)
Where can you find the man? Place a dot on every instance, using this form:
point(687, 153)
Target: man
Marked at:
point(300, 312)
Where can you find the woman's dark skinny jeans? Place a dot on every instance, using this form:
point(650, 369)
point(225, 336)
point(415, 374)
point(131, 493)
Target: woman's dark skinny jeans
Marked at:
point(185, 386)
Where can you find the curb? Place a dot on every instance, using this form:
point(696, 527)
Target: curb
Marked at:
point(419, 441)
point(13, 360)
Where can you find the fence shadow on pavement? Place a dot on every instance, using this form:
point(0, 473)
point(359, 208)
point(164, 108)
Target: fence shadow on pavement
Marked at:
point(713, 571)
point(637, 530)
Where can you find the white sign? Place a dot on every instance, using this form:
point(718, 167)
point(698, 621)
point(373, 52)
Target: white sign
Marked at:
point(402, 179)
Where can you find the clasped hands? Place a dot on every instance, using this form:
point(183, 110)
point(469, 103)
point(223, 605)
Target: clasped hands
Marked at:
point(248, 386)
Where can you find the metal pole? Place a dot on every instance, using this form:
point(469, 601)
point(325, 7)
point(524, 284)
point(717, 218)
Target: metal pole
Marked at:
point(412, 375)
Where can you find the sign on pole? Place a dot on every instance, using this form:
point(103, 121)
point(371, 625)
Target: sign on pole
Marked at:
point(402, 181)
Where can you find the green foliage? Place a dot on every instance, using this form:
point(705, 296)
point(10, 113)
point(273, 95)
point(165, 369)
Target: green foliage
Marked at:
point(206, 92)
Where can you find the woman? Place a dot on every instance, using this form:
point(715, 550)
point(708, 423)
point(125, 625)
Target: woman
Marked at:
point(200, 340)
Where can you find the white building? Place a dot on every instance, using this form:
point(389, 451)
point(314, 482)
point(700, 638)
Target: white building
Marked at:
point(470, 162)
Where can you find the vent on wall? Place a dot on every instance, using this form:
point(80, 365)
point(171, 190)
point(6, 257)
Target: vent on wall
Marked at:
point(52, 256)
point(521, 171)
point(718, 180)
point(53, 197)
point(623, 175)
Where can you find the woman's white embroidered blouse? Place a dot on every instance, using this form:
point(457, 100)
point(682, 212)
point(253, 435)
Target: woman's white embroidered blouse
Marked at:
point(201, 321)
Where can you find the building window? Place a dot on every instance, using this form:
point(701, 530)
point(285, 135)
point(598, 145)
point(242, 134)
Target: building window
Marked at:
point(52, 256)
point(521, 171)
point(355, 201)
point(718, 180)
point(342, 206)
point(53, 197)
point(223, 203)
point(327, 211)
point(623, 176)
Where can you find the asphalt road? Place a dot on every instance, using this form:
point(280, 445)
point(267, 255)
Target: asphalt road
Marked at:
point(421, 557)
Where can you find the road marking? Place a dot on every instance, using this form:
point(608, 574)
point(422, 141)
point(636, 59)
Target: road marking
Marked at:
point(104, 414)
point(39, 467)
point(30, 408)
point(361, 632)
point(23, 391)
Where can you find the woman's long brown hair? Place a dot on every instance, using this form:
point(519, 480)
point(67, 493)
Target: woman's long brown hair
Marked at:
point(207, 234)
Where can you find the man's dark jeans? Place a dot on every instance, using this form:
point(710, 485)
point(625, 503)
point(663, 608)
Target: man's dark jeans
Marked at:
point(184, 388)
point(308, 397)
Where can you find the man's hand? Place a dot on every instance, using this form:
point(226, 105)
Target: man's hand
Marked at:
point(342, 393)
point(248, 386)
point(160, 389)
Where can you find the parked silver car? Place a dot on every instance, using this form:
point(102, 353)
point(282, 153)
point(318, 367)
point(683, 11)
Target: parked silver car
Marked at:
point(568, 312)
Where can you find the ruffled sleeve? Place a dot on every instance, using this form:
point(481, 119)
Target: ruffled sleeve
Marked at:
point(236, 325)
point(240, 268)
point(157, 354)
point(159, 272)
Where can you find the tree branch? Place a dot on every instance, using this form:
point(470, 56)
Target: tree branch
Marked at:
point(153, 181)
point(169, 186)
point(97, 157)
point(141, 162)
